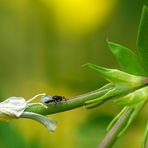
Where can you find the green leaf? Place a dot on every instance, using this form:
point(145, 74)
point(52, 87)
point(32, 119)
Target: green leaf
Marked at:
point(142, 41)
point(98, 101)
point(127, 59)
point(118, 77)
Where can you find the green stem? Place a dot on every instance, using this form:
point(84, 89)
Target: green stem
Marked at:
point(79, 101)
point(145, 140)
point(74, 102)
point(68, 104)
point(112, 135)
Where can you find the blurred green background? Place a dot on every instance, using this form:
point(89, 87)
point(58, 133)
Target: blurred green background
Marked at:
point(43, 45)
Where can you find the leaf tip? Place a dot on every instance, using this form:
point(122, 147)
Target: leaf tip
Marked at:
point(86, 65)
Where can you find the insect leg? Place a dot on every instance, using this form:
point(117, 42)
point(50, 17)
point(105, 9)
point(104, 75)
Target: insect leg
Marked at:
point(64, 98)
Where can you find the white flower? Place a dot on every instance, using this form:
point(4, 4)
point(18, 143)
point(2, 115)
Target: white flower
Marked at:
point(14, 107)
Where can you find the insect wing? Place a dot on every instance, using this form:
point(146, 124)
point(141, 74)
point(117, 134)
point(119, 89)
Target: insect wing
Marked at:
point(46, 99)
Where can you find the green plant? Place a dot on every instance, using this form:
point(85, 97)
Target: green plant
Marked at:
point(127, 88)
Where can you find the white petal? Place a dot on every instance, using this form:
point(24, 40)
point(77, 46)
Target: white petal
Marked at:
point(47, 122)
point(12, 107)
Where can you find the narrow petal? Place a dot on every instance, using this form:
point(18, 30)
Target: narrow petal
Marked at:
point(47, 122)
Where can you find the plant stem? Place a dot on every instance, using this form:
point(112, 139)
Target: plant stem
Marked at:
point(112, 135)
point(145, 140)
point(68, 104)
point(79, 101)
point(75, 102)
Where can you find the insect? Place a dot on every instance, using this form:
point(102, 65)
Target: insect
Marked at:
point(49, 99)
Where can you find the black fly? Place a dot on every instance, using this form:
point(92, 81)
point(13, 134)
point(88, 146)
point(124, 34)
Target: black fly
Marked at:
point(49, 99)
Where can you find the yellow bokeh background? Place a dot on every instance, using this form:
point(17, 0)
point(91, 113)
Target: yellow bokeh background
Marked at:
point(43, 44)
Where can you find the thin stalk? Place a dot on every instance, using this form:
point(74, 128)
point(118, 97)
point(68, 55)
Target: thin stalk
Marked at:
point(115, 131)
point(145, 140)
point(111, 136)
point(68, 104)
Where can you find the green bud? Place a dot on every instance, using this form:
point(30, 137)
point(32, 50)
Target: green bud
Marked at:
point(121, 84)
point(133, 98)
point(119, 77)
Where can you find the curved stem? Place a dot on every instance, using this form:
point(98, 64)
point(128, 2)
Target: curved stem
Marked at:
point(74, 102)
point(69, 104)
